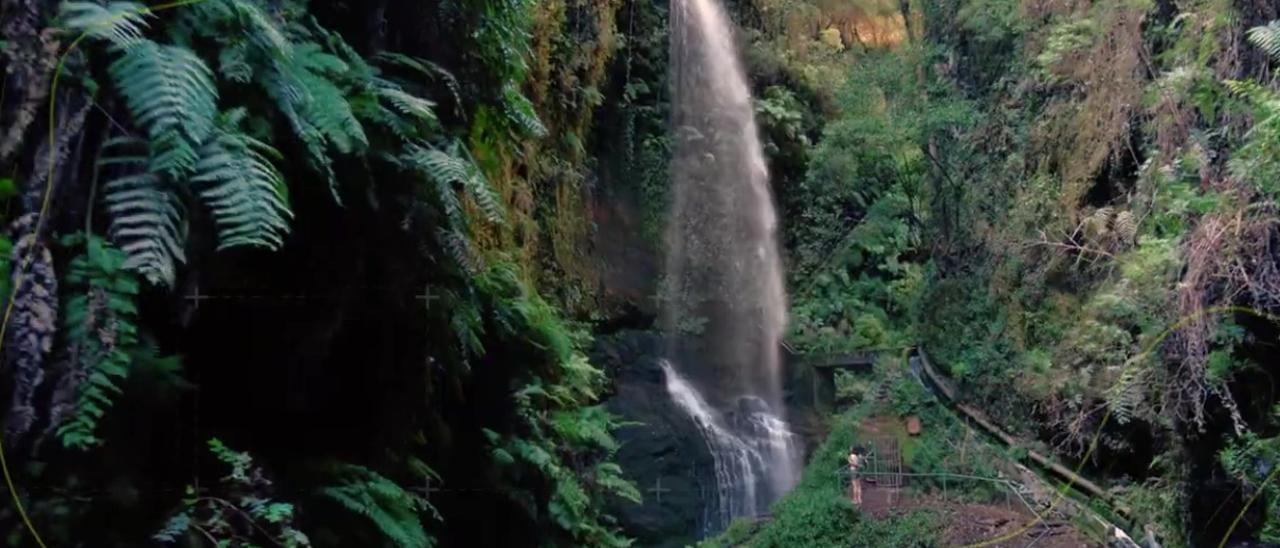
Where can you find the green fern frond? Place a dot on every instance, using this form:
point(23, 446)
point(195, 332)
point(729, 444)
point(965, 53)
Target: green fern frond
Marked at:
point(1252, 91)
point(316, 108)
point(170, 92)
point(1267, 38)
point(407, 116)
point(521, 114)
point(585, 426)
point(394, 511)
point(148, 220)
point(430, 70)
point(100, 326)
point(325, 105)
point(609, 477)
point(443, 171)
point(454, 168)
point(458, 247)
point(409, 104)
point(237, 20)
point(120, 23)
point(244, 192)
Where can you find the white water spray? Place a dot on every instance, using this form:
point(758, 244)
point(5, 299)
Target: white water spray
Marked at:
point(725, 308)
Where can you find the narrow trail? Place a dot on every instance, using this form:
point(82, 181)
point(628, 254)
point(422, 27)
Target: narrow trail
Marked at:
point(1007, 534)
point(963, 522)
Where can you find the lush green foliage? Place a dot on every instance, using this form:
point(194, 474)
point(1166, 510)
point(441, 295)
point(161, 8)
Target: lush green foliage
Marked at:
point(241, 513)
point(1250, 460)
point(220, 127)
point(556, 419)
point(393, 511)
point(99, 319)
point(1060, 201)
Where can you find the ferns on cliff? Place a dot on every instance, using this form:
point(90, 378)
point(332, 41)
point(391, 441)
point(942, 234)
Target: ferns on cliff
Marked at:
point(239, 512)
point(100, 326)
point(242, 190)
point(557, 423)
point(1255, 160)
point(232, 179)
point(451, 170)
point(147, 217)
point(170, 92)
point(191, 109)
point(392, 510)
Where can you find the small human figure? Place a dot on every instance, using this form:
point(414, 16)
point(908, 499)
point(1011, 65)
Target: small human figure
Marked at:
point(856, 459)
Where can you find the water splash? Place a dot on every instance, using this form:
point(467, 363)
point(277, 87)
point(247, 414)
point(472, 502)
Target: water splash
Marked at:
point(725, 308)
point(739, 459)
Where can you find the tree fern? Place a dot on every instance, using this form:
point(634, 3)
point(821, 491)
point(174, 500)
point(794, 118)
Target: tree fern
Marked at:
point(99, 321)
point(120, 23)
point(148, 220)
point(394, 511)
point(170, 93)
point(243, 191)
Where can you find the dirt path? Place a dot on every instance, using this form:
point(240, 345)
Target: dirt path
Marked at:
point(967, 524)
point(964, 523)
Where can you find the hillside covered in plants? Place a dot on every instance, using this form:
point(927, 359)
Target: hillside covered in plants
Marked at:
point(389, 273)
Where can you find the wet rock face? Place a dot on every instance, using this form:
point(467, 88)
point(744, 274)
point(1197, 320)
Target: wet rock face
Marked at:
point(664, 454)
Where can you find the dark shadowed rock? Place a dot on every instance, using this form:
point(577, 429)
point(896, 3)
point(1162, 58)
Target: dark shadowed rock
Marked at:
point(663, 453)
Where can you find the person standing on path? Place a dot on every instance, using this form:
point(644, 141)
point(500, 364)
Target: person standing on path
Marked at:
point(856, 459)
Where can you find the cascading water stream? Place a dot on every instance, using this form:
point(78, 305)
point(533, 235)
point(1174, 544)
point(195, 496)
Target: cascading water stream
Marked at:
point(724, 308)
point(736, 462)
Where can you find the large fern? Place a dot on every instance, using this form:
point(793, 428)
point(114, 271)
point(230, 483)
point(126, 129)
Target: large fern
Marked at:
point(148, 219)
point(99, 323)
point(316, 108)
point(243, 191)
point(170, 92)
point(394, 511)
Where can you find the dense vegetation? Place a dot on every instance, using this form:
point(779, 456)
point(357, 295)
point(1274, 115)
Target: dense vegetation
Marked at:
point(312, 238)
point(325, 273)
point(1069, 204)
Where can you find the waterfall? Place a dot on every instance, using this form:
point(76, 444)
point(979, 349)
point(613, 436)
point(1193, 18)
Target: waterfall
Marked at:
point(724, 305)
point(740, 460)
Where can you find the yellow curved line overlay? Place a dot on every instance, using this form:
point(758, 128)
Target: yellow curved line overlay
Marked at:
point(40, 218)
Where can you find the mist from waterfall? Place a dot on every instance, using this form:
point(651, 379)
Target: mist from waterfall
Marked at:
point(724, 303)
